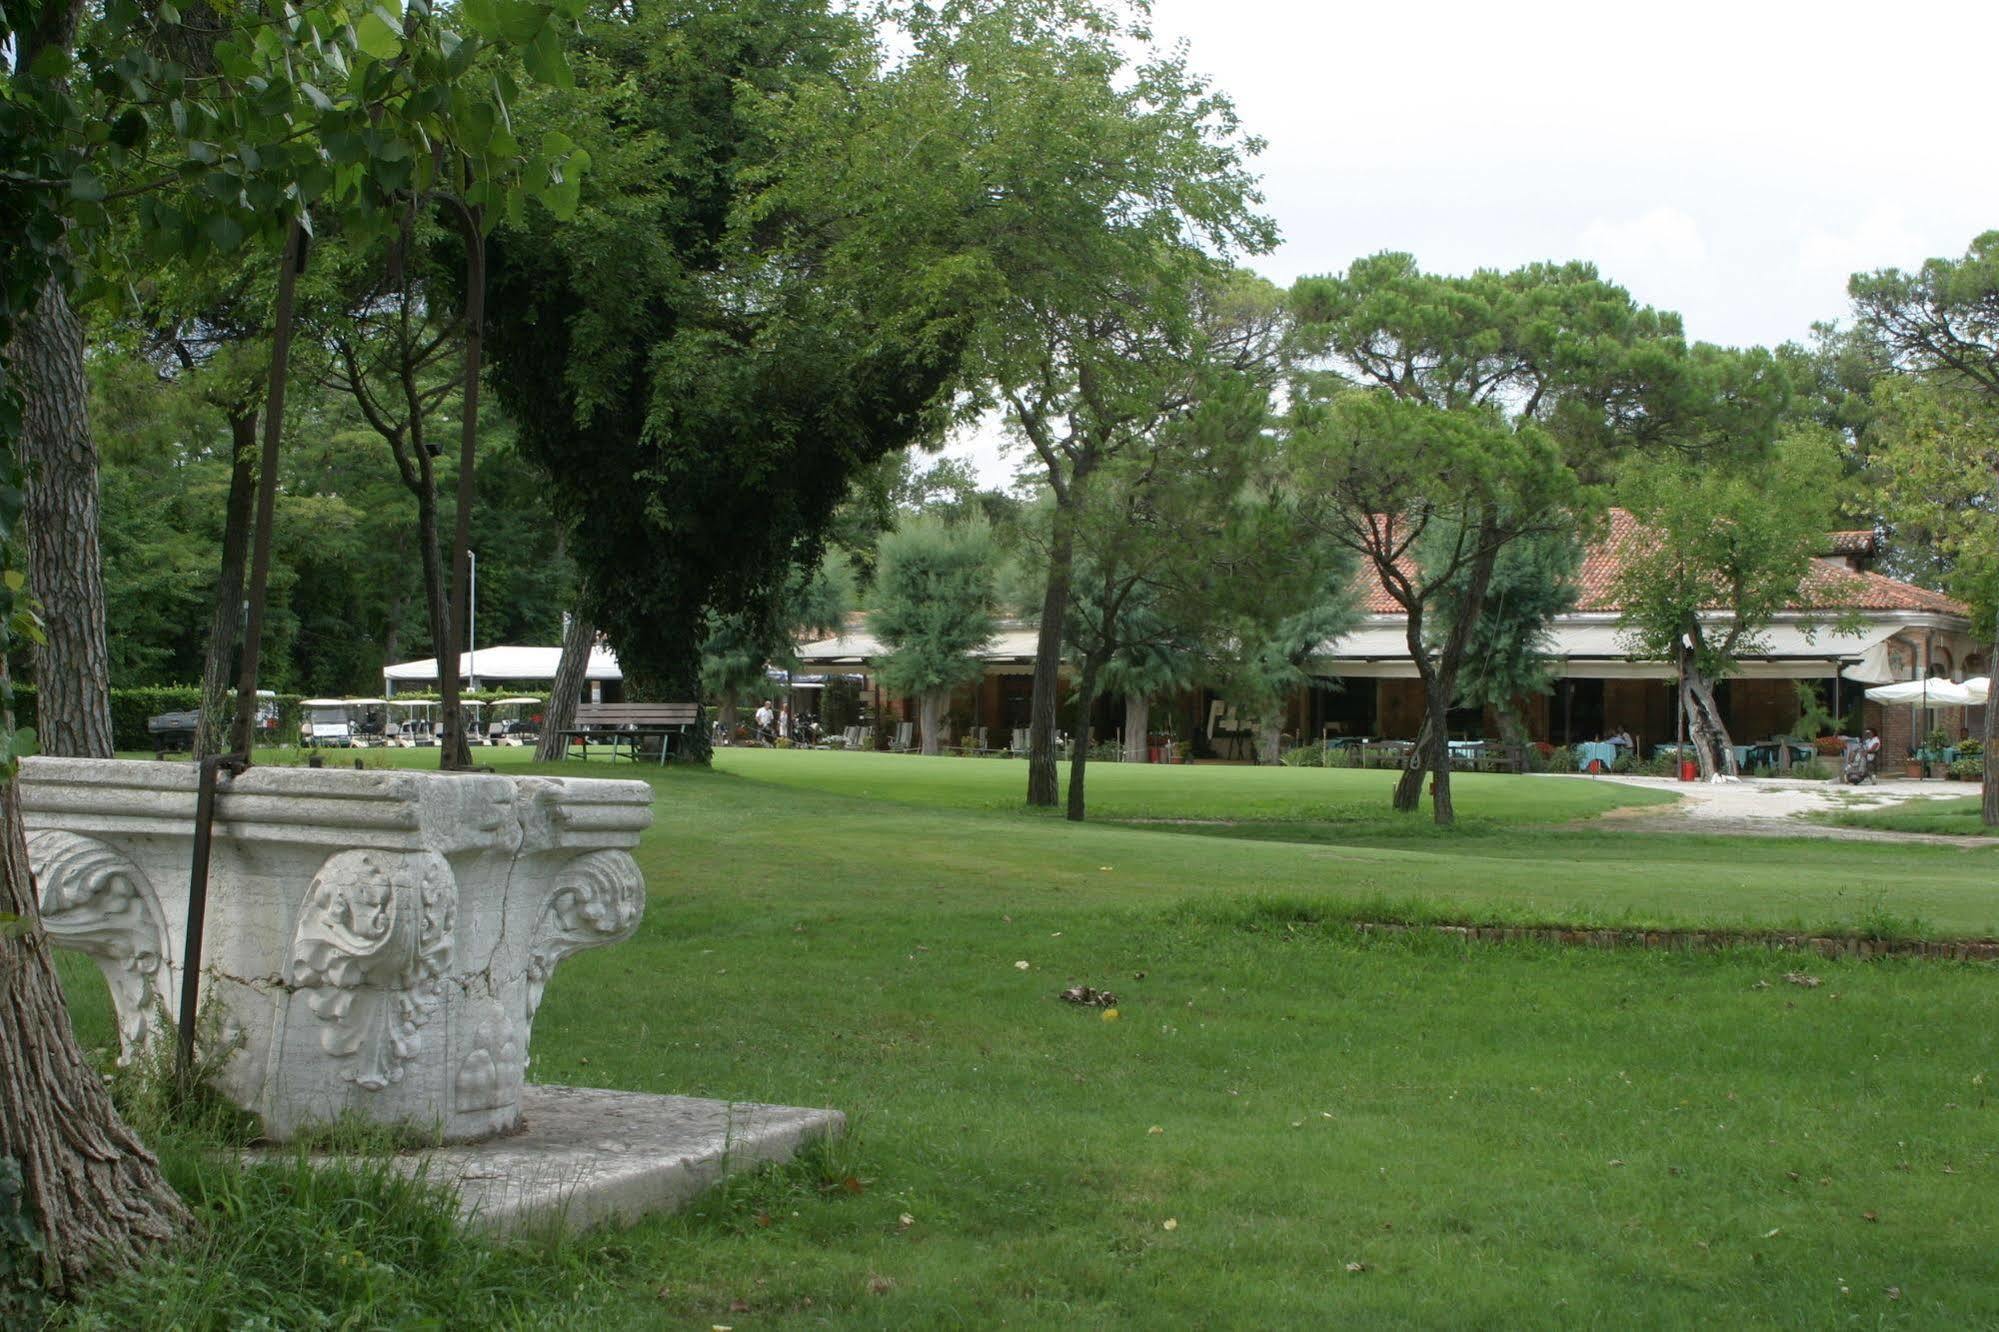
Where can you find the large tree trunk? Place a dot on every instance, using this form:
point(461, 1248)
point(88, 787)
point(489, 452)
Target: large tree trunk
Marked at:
point(1137, 720)
point(1079, 761)
point(457, 754)
point(1044, 784)
point(92, 1188)
point(65, 566)
point(930, 719)
point(1705, 728)
point(1269, 740)
point(211, 735)
point(567, 690)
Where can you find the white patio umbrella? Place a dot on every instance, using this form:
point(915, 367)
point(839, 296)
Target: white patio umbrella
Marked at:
point(1976, 689)
point(1931, 693)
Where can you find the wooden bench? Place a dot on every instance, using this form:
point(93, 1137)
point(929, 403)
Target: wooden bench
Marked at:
point(626, 727)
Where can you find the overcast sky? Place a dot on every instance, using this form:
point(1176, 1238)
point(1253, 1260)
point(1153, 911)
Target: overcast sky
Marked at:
point(1734, 162)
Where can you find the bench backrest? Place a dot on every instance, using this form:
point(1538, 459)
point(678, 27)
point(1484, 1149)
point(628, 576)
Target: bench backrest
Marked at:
point(637, 714)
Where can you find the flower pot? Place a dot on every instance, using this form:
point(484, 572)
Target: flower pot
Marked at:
point(376, 944)
point(1914, 769)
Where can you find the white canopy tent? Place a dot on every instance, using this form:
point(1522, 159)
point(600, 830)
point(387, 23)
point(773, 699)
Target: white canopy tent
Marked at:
point(503, 663)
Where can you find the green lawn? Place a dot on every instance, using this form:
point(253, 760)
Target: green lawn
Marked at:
point(1501, 1136)
point(1950, 818)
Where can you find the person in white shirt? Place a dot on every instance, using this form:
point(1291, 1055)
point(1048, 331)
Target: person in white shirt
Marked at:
point(763, 721)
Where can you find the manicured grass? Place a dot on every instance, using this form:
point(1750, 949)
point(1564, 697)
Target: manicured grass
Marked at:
point(1139, 791)
point(1502, 1136)
point(1949, 818)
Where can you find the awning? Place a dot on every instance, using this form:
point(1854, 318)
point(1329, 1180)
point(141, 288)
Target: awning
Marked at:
point(1600, 650)
point(507, 663)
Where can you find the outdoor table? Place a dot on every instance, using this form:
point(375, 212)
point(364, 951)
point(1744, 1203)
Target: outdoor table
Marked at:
point(1595, 751)
point(1948, 754)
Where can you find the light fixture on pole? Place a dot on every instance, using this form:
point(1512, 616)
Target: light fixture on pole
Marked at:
point(472, 631)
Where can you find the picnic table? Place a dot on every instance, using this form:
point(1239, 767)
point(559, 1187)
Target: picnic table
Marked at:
point(631, 727)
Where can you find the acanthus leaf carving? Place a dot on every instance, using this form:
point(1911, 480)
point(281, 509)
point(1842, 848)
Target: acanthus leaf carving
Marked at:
point(373, 943)
point(599, 899)
point(94, 899)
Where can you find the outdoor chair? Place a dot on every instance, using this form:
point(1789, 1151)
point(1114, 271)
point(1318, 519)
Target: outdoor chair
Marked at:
point(904, 733)
point(1019, 746)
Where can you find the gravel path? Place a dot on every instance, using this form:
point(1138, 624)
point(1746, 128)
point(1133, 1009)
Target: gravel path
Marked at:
point(1776, 806)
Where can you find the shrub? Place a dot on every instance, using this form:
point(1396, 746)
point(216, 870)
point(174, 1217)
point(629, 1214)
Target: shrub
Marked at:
point(1973, 748)
point(834, 742)
point(131, 708)
point(1308, 756)
point(1817, 770)
point(1830, 746)
point(21, 1299)
point(1969, 769)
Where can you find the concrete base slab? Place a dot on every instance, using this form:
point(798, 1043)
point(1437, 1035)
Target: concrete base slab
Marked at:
point(589, 1157)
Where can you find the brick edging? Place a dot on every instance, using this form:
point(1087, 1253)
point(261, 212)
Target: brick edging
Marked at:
point(1970, 950)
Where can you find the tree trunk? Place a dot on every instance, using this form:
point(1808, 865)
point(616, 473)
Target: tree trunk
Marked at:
point(930, 720)
point(1705, 728)
point(1269, 740)
point(1044, 784)
point(1988, 810)
point(91, 1187)
point(1409, 786)
point(211, 734)
point(457, 755)
point(1079, 761)
point(1137, 720)
point(65, 566)
point(567, 690)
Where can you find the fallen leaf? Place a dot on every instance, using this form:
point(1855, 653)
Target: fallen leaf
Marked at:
point(1110, 1015)
point(1870, 1216)
point(1791, 1175)
point(1021, 965)
point(1356, 1268)
point(852, 1184)
point(1760, 985)
point(1155, 1129)
point(1894, 1292)
point(905, 1220)
point(1106, 868)
point(1170, 1223)
point(1802, 979)
point(1616, 1162)
point(739, 1306)
point(763, 1218)
point(880, 1285)
point(1773, 1233)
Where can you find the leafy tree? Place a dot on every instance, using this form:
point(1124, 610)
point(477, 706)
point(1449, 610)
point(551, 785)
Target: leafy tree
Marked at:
point(934, 611)
point(727, 333)
point(1094, 179)
point(1506, 657)
point(1728, 546)
point(1481, 405)
point(1938, 322)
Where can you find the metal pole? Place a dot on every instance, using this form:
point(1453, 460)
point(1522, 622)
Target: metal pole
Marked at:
point(472, 633)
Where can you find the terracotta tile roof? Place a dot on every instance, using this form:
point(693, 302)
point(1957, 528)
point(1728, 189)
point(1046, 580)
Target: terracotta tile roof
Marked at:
point(1830, 583)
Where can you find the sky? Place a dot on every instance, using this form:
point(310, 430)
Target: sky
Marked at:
point(1734, 162)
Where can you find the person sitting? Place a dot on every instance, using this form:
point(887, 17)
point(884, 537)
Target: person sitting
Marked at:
point(1621, 738)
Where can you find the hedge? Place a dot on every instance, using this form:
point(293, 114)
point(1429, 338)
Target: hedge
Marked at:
point(130, 709)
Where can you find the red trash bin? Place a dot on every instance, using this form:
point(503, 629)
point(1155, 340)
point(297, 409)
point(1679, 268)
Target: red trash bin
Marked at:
point(1689, 770)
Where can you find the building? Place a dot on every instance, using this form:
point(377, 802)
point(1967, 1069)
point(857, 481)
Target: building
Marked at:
point(1903, 632)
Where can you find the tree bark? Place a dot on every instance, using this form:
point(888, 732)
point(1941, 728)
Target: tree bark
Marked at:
point(930, 719)
point(211, 735)
point(1044, 784)
point(457, 755)
point(1079, 761)
point(1705, 728)
point(1269, 738)
point(567, 690)
point(65, 565)
point(1137, 720)
point(92, 1188)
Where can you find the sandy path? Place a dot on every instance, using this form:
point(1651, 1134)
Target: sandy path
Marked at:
point(1776, 807)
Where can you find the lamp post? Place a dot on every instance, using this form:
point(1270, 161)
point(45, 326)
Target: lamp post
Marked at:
point(472, 631)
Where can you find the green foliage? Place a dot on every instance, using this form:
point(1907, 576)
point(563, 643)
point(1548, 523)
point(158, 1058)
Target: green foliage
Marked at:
point(933, 599)
point(1936, 462)
point(719, 340)
point(1735, 537)
point(21, 1300)
point(1532, 582)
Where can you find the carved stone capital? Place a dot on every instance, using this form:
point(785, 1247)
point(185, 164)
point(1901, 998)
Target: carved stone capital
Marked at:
point(94, 899)
point(374, 941)
point(599, 898)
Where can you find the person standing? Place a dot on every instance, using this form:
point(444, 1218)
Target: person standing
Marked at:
point(784, 722)
point(764, 720)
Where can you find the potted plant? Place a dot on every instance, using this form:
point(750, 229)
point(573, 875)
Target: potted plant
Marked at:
point(1914, 765)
